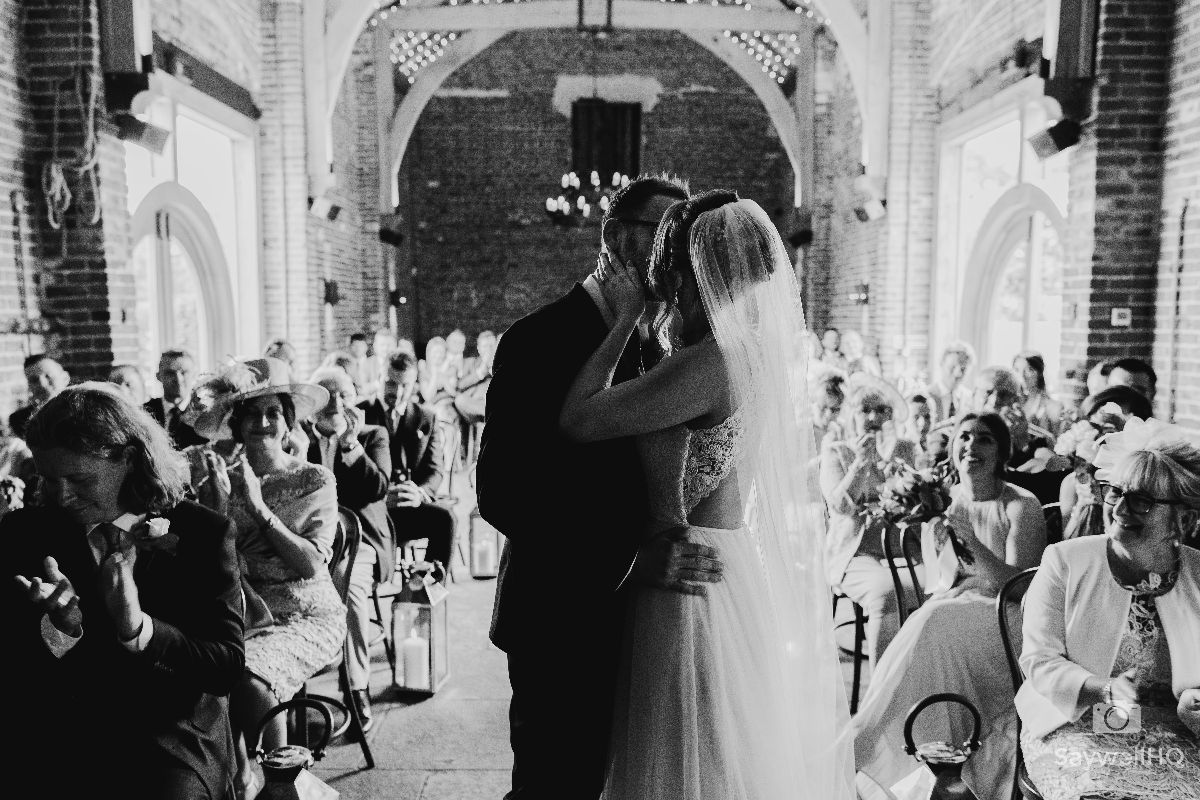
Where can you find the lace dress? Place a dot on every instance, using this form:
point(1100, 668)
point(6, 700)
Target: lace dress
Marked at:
point(310, 618)
point(697, 713)
point(1074, 760)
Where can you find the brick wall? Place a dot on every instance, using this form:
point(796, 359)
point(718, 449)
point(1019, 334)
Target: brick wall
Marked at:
point(17, 289)
point(224, 34)
point(1177, 323)
point(479, 168)
point(1123, 152)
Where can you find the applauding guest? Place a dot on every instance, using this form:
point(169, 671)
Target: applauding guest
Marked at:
point(1115, 620)
point(285, 510)
point(176, 373)
point(358, 457)
point(417, 451)
point(952, 643)
point(125, 631)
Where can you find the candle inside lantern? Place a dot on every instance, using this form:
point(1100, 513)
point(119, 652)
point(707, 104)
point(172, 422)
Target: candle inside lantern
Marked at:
point(484, 556)
point(415, 655)
point(604, 203)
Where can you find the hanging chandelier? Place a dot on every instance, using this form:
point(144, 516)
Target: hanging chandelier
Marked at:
point(579, 202)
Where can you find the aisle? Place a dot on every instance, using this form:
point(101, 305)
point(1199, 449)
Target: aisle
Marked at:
point(453, 746)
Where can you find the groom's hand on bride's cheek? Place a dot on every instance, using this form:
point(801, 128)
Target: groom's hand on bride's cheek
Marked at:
point(670, 561)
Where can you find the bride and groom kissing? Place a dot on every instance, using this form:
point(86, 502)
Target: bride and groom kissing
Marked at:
point(660, 597)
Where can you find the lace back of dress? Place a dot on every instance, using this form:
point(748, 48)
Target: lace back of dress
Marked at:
point(712, 454)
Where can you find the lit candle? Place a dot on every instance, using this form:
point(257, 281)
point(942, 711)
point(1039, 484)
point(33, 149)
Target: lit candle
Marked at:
point(563, 205)
point(566, 180)
point(604, 203)
point(616, 179)
point(580, 203)
point(587, 210)
point(484, 556)
point(574, 180)
point(595, 178)
point(624, 181)
point(415, 656)
point(551, 204)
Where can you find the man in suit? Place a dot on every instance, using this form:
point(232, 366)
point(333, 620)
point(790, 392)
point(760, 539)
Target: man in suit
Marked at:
point(417, 449)
point(45, 378)
point(124, 624)
point(358, 456)
point(573, 515)
point(177, 374)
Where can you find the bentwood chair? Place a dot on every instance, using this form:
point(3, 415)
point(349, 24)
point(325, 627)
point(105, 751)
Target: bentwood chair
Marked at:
point(902, 547)
point(859, 653)
point(1012, 597)
point(1052, 513)
point(345, 550)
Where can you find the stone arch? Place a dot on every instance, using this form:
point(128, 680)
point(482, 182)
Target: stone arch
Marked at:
point(847, 27)
point(473, 43)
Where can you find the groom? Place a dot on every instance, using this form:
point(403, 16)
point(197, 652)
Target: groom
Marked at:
point(573, 515)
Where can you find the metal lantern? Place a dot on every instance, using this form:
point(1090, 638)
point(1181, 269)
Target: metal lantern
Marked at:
point(485, 544)
point(944, 759)
point(421, 636)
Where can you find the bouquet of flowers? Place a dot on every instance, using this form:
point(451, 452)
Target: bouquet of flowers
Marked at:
point(912, 497)
point(1080, 443)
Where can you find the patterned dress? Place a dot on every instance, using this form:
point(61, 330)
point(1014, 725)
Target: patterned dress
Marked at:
point(1073, 760)
point(310, 617)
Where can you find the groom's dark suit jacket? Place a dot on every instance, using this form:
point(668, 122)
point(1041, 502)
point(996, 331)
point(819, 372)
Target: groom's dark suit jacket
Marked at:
point(573, 514)
point(97, 720)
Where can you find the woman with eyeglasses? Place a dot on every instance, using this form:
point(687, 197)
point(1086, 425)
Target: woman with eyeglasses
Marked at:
point(1113, 622)
point(852, 475)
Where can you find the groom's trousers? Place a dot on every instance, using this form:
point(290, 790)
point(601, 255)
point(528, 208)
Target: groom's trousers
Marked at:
point(561, 719)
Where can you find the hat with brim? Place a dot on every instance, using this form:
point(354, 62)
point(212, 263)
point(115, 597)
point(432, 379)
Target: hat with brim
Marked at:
point(246, 380)
point(861, 382)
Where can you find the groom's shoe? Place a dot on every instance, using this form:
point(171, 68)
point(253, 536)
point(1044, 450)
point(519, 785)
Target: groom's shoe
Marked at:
point(362, 701)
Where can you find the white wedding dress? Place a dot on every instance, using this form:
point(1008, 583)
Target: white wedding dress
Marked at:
point(737, 694)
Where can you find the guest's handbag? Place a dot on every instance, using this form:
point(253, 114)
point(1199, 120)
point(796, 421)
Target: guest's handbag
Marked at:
point(286, 768)
point(944, 759)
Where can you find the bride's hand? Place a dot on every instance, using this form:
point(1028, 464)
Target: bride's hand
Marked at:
point(622, 286)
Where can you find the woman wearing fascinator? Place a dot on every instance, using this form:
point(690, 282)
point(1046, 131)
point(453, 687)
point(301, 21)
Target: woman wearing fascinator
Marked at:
point(1112, 631)
point(285, 512)
point(734, 692)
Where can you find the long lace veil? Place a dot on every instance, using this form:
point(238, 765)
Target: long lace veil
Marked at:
point(752, 299)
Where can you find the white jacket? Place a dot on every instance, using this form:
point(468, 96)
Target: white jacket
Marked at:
point(1075, 615)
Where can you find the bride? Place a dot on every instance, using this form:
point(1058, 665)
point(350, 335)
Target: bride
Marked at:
point(734, 693)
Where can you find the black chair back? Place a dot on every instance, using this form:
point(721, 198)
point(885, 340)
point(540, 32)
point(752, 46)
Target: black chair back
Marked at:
point(1010, 630)
point(345, 550)
point(903, 544)
point(1052, 513)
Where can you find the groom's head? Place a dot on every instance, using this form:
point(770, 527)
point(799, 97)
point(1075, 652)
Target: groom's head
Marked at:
point(628, 226)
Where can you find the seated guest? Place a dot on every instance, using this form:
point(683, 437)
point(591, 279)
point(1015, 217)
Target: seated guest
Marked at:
point(854, 349)
point(950, 394)
point(125, 632)
point(130, 379)
point(1080, 496)
point(920, 423)
point(45, 378)
point(828, 397)
point(1134, 373)
point(851, 478)
point(285, 511)
point(417, 446)
point(998, 390)
point(16, 471)
point(831, 350)
point(1040, 408)
point(357, 455)
point(360, 364)
point(1097, 377)
point(176, 373)
point(476, 376)
point(282, 350)
point(952, 643)
point(339, 359)
point(1115, 620)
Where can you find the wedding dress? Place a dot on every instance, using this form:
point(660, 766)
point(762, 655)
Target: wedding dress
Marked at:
point(737, 694)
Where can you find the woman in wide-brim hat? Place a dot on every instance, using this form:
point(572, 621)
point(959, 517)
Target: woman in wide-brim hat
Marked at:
point(285, 511)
